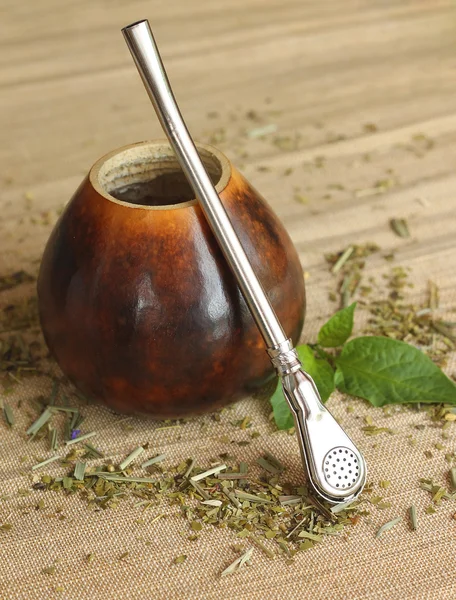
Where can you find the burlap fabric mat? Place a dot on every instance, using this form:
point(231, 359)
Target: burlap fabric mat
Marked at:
point(405, 564)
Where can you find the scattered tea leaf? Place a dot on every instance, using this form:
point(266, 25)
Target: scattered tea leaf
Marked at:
point(433, 295)
point(269, 553)
point(212, 502)
point(92, 452)
point(259, 132)
point(213, 471)
point(413, 518)
point(121, 479)
point(8, 414)
point(267, 466)
point(340, 262)
point(65, 409)
point(228, 476)
point(388, 526)
point(67, 483)
point(251, 497)
point(45, 462)
point(81, 438)
point(54, 391)
point(238, 563)
point(38, 424)
point(453, 478)
point(79, 470)
point(310, 536)
point(384, 484)
point(400, 227)
point(153, 461)
point(53, 439)
point(270, 457)
point(130, 458)
point(301, 198)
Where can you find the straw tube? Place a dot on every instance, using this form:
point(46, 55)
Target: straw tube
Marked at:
point(145, 53)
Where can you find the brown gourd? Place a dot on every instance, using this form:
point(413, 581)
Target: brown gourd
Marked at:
point(137, 303)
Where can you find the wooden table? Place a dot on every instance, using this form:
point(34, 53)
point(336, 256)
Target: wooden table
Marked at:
point(341, 113)
point(348, 83)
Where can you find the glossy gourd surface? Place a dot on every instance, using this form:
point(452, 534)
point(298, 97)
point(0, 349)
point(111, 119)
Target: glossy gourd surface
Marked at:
point(138, 304)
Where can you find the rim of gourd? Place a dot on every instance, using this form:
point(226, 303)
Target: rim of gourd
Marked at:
point(144, 161)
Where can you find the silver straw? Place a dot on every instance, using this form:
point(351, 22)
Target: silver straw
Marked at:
point(335, 466)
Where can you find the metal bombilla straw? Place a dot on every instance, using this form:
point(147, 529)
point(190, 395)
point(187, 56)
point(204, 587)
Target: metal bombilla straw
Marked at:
point(336, 468)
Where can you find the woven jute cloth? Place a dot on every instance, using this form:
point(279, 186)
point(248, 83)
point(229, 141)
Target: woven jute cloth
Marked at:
point(356, 93)
point(402, 564)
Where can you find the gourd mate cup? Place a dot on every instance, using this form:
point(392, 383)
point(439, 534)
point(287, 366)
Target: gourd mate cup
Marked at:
point(136, 300)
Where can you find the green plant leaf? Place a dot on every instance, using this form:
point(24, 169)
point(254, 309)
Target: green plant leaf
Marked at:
point(320, 371)
point(338, 329)
point(387, 371)
point(282, 414)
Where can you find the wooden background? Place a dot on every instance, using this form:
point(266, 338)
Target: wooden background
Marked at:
point(320, 71)
point(358, 98)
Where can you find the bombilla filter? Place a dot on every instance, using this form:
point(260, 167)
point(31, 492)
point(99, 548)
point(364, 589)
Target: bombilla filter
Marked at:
point(335, 466)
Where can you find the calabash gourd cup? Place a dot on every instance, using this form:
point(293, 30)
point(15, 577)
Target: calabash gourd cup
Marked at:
point(136, 300)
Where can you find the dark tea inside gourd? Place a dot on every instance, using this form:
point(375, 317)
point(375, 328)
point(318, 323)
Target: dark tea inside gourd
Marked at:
point(162, 190)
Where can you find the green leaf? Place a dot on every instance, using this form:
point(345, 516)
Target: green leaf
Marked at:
point(338, 329)
point(387, 371)
point(282, 414)
point(320, 371)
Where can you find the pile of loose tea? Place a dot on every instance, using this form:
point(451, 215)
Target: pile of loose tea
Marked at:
point(390, 314)
point(396, 318)
point(20, 350)
point(279, 517)
point(348, 265)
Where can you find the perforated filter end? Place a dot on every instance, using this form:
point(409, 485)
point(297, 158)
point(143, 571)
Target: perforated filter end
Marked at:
point(341, 468)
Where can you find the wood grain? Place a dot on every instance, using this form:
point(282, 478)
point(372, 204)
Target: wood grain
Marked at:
point(69, 93)
point(367, 90)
